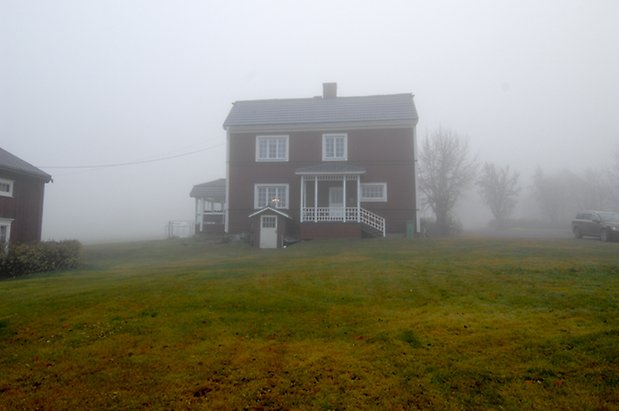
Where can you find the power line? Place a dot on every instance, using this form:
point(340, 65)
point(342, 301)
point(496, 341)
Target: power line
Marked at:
point(131, 163)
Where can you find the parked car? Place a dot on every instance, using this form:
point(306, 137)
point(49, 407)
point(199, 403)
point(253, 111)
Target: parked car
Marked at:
point(602, 224)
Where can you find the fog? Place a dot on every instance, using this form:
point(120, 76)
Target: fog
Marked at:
point(148, 84)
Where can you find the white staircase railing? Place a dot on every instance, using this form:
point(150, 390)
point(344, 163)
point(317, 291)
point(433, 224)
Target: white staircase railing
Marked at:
point(343, 214)
point(373, 220)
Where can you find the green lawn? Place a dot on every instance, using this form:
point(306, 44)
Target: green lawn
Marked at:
point(464, 323)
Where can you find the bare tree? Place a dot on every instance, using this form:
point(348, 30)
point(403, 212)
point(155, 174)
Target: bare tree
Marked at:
point(554, 195)
point(499, 189)
point(594, 190)
point(446, 168)
point(560, 195)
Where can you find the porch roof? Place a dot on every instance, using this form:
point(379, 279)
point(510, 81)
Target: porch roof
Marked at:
point(330, 169)
point(212, 190)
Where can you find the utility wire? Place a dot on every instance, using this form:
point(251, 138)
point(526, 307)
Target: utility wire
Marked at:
point(131, 163)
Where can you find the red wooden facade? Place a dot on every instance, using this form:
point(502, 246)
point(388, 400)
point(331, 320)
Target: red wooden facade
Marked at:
point(21, 200)
point(377, 151)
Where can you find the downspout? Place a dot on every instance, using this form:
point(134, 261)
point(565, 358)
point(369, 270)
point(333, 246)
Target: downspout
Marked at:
point(227, 199)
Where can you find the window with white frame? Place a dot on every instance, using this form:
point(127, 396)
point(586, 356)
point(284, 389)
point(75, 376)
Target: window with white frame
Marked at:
point(271, 148)
point(334, 147)
point(272, 195)
point(6, 187)
point(374, 192)
point(269, 221)
point(5, 233)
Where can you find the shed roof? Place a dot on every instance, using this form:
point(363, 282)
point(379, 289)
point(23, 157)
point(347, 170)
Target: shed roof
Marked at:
point(15, 164)
point(214, 190)
point(392, 107)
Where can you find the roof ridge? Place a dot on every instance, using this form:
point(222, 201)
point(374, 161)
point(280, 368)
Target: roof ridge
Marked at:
point(323, 99)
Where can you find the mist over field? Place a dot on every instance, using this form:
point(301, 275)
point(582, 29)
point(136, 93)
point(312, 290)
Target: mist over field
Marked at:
point(123, 102)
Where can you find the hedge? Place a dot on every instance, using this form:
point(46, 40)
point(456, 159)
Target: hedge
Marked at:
point(23, 259)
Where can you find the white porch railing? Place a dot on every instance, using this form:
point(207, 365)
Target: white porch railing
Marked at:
point(343, 214)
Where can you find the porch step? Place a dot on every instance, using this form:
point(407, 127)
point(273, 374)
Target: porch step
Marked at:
point(343, 215)
point(369, 231)
point(372, 220)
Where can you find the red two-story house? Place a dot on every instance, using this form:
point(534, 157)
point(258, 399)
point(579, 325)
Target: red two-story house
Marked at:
point(21, 200)
point(321, 167)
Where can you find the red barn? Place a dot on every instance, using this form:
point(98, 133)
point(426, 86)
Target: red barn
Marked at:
point(22, 187)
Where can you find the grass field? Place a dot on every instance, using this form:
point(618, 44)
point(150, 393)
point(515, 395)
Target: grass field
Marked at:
point(466, 323)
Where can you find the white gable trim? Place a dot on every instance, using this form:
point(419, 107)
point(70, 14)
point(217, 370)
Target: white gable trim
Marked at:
point(274, 210)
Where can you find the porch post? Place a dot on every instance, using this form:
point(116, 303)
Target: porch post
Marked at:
point(196, 221)
point(201, 213)
point(315, 199)
point(344, 196)
point(302, 201)
point(358, 199)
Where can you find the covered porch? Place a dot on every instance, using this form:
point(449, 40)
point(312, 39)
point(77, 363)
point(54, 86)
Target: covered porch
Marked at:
point(210, 203)
point(331, 193)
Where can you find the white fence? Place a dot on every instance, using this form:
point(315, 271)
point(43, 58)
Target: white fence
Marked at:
point(179, 229)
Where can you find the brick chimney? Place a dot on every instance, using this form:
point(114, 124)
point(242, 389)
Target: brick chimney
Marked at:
point(329, 90)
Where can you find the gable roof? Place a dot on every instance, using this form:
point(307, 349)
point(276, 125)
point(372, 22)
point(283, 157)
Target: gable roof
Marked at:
point(15, 164)
point(381, 108)
point(270, 210)
point(215, 190)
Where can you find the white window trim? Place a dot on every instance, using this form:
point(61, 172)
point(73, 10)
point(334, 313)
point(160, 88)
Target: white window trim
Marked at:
point(324, 147)
point(374, 199)
point(258, 186)
point(268, 137)
point(11, 183)
point(7, 223)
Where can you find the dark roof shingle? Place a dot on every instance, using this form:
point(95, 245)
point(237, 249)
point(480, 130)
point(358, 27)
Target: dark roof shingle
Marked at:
point(392, 107)
point(15, 164)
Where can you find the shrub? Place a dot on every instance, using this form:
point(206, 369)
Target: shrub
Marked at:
point(24, 259)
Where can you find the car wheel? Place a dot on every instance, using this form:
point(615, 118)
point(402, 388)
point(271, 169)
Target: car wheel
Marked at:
point(577, 232)
point(604, 235)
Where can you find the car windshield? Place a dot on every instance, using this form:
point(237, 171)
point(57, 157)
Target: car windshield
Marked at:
point(609, 216)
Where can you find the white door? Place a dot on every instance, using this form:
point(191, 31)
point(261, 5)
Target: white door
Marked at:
point(336, 203)
point(268, 231)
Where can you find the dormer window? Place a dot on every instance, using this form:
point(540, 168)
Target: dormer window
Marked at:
point(271, 148)
point(6, 188)
point(334, 147)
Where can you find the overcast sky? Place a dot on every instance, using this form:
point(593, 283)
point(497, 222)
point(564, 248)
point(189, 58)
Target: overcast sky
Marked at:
point(106, 82)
